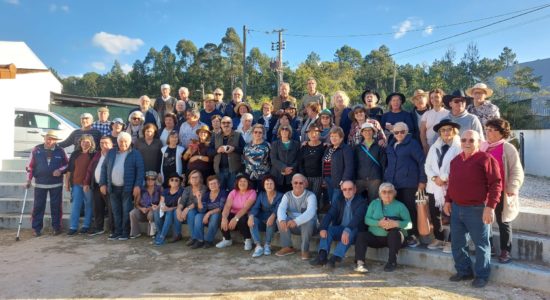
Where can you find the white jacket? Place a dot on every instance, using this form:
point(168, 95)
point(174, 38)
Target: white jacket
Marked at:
point(432, 169)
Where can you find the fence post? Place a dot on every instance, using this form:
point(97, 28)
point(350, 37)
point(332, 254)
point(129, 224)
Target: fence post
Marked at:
point(522, 149)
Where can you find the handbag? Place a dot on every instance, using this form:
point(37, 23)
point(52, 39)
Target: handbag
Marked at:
point(423, 214)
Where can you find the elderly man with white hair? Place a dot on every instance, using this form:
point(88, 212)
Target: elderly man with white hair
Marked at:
point(297, 214)
point(165, 103)
point(245, 127)
point(86, 120)
point(188, 104)
point(122, 175)
point(151, 115)
point(188, 130)
point(474, 189)
point(237, 97)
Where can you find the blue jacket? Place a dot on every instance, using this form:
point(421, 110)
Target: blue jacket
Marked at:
point(134, 170)
point(42, 171)
point(405, 163)
point(345, 121)
point(342, 167)
point(335, 215)
point(262, 209)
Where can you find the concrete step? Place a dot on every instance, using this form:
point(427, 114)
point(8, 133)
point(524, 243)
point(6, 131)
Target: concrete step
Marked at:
point(13, 176)
point(17, 190)
point(528, 246)
point(13, 205)
point(8, 221)
point(530, 219)
point(14, 164)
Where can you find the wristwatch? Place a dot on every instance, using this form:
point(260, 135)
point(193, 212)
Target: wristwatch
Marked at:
point(433, 178)
point(236, 219)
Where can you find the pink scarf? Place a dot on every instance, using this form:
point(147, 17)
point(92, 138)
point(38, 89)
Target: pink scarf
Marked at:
point(486, 145)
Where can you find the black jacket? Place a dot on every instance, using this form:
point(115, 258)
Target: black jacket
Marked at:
point(335, 214)
point(365, 167)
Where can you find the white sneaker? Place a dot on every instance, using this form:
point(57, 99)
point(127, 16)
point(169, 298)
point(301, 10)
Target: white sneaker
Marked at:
point(259, 251)
point(267, 249)
point(360, 268)
point(248, 244)
point(436, 244)
point(224, 243)
point(447, 248)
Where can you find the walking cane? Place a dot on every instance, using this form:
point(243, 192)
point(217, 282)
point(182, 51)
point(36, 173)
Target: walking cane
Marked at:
point(22, 211)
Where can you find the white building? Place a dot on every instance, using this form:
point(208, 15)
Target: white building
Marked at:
point(25, 82)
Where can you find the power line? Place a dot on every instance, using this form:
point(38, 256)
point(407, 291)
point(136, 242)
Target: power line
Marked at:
point(471, 30)
point(405, 31)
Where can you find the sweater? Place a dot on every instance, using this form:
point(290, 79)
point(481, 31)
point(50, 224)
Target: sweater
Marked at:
point(474, 181)
point(377, 211)
point(300, 208)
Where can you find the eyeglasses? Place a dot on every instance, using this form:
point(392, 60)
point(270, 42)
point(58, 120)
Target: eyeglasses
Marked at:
point(258, 132)
point(459, 101)
point(386, 192)
point(136, 119)
point(347, 189)
point(298, 182)
point(446, 129)
point(400, 132)
point(285, 128)
point(226, 123)
point(467, 140)
point(174, 180)
point(325, 117)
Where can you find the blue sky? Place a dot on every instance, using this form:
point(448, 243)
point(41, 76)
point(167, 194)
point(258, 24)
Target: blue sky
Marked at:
point(75, 37)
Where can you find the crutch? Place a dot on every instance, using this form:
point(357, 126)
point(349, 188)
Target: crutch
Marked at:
point(22, 211)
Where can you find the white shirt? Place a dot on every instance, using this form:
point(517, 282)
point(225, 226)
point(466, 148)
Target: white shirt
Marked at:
point(97, 172)
point(432, 117)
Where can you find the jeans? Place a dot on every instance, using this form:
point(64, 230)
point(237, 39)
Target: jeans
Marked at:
point(159, 222)
point(334, 233)
point(306, 230)
point(39, 206)
point(169, 219)
point(227, 179)
point(122, 204)
point(191, 216)
point(333, 193)
point(260, 225)
point(213, 225)
point(464, 220)
point(80, 197)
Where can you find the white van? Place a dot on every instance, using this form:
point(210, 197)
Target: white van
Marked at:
point(31, 124)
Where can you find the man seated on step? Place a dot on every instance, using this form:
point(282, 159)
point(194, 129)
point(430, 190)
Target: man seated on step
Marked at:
point(297, 215)
point(341, 224)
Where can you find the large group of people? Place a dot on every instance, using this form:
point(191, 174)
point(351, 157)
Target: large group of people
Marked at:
point(351, 174)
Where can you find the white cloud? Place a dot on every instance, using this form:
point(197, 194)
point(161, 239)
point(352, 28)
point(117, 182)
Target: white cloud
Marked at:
point(116, 43)
point(405, 26)
point(54, 8)
point(64, 8)
point(98, 65)
point(126, 68)
point(14, 2)
point(428, 30)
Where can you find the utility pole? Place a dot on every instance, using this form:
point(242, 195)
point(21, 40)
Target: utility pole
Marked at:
point(244, 63)
point(279, 46)
point(394, 76)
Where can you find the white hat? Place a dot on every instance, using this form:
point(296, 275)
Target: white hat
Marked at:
point(164, 86)
point(368, 125)
point(480, 86)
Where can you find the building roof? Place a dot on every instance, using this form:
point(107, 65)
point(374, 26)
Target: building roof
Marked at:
point(74, 100)
point(19, 54)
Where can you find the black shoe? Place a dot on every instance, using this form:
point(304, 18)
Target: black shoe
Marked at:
point(36, 233)
point(114, 237)
point(95, 232)
point(84, 230)
point(390, 267)
point(57, 232)
point(197, 244)
point(479, 283)
point(320, 260)
point(190, 243)
point(208, 245)
point(71, 232)
point(333, 260)
point(457, 277)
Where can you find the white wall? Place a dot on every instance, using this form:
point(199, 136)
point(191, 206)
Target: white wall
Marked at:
point(25, 91)
point(537, 145)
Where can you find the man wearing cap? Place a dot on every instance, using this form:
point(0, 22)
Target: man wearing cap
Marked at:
point(312, 95)
point(151, 115)
point(209, 110)
point(165, 103)
point(86, 120)
point(183, 94)
point(47, 163)
point(284, 96)
point(188, 129)
point(460, 115)
point(370, 159)
point(228, 147)
point(483, 109)
point(235, 100)
point(102, 124)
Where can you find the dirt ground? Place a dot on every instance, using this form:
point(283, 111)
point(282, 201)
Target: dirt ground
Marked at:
point(83, 267)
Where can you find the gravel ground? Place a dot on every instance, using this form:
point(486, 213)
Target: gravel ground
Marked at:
point(535, 192)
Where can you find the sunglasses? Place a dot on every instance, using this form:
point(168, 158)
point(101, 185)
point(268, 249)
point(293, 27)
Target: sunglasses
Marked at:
point(226, 123)
point(467, 140)
point(285, 128)
point(174, 179)
point(298, 182)
point(136, 119)
point(386, 192)
point(400, 132)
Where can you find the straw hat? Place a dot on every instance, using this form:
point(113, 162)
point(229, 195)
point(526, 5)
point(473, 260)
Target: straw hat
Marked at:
point(203, 128)
point(418, 94)
point(480, 86)
point(52, 134)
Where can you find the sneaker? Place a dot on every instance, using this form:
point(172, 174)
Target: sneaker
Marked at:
point(479, 283)
point(208, 245)
point(285, 251)
point(96, 232)
point(457, 277)
point(190, 243)
point(71, 232)
point(247, 244)
point(390, 267)
point(333, 260)
point(224, 243)
point(360, 267)
point(84, 230)
point(305, 255)
point(159, 242)
point(123, 238)
point(197, 244)
point(267, 249)
point(447, 248)
point(504, 257)
point(259, 251)
point(320, 260)
point(113, 237)
point(412, 241)
point(135, 236)
point(436, 244)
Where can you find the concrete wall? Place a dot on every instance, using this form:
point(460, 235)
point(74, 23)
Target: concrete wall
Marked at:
point(537, 145)
point(25, 91)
